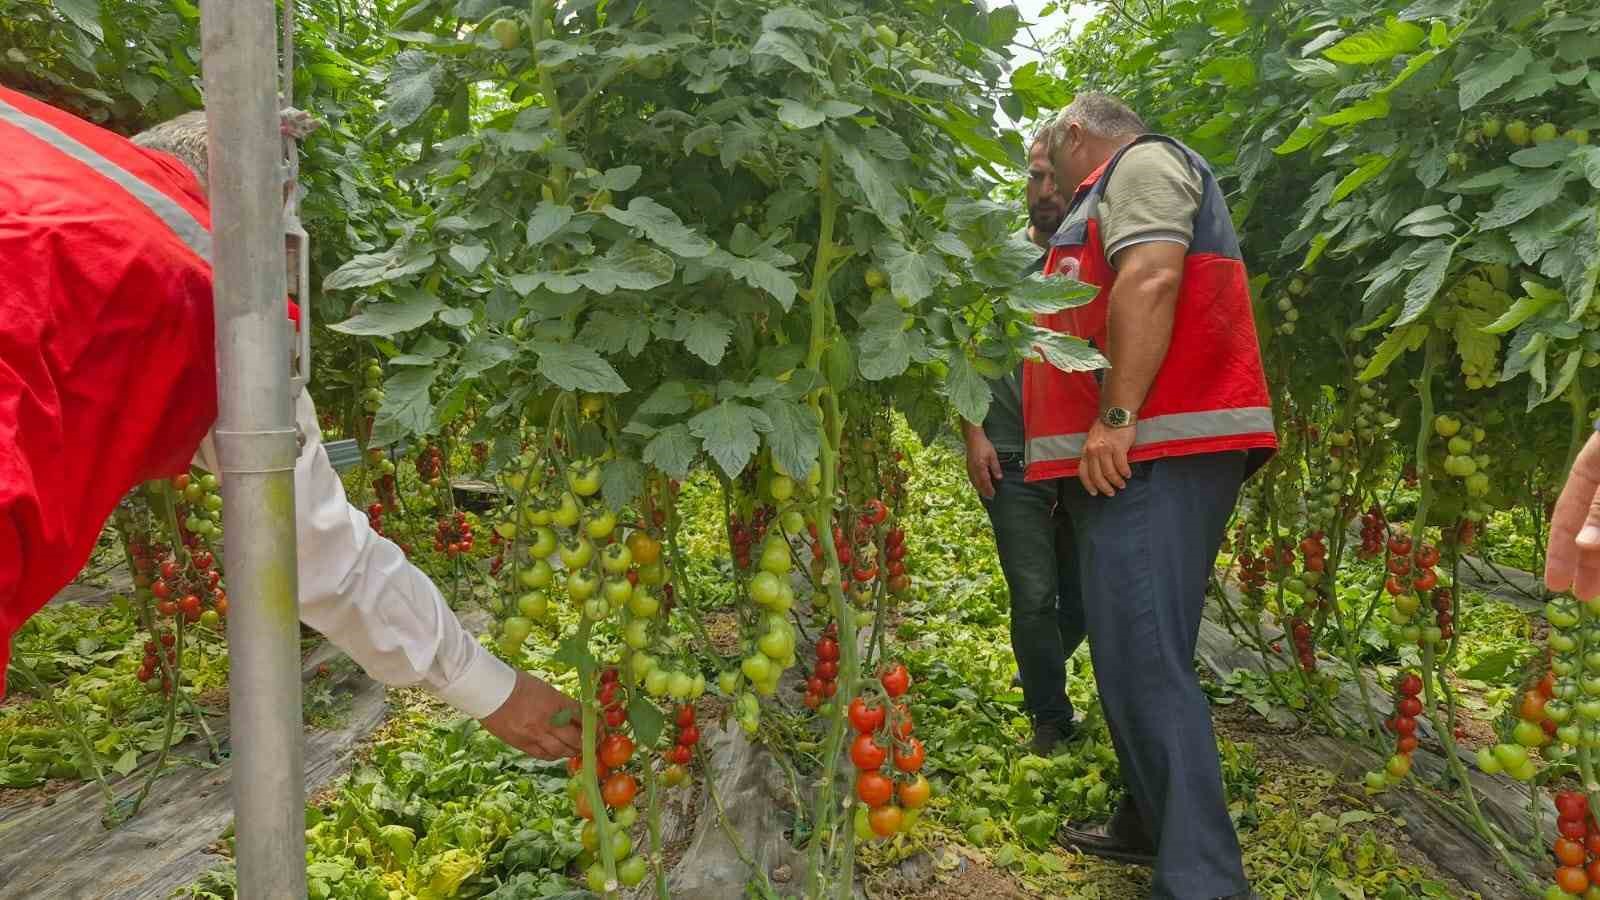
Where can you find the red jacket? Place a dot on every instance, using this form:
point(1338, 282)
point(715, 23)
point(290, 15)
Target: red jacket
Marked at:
point(107, 362)
point(1210, 394)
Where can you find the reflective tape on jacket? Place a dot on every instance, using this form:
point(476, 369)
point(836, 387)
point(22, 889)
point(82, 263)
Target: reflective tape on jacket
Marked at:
point(1210, 394)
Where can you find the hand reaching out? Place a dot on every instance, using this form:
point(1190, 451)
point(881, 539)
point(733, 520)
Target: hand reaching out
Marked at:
point(1573, 562)
point(525, 720)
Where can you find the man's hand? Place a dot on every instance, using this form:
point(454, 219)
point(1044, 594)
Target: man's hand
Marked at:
point(1104, 467)
point(1574, 556)
point(524, 720)
point(983, 464)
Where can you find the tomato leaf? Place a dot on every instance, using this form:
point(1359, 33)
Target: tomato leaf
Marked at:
point(730, 433)
point(408, 91)
point(410, 309)
point(777, 45)
point(630, 267)
point(1064, 351)
point(875, 183)
point(968, 392)
point(407, 407)
point(576, 368)
point(662, 226)
point(1523, 309)
point(1379, 43)
point(1374, 107)
point(912, 275)
point(1424, 286)
point(1489, 74)
point(1399, 340)
point(1523, 195)
point(705, 334)
point(886, 343)
point(673, 450)
point(469, 256)
point(798, 115)
point(547, 221)
point(647, 721)
point(621, 482)
point(1044, 294)
point(1302, 137)
point(1371, 165)
point(794, 438)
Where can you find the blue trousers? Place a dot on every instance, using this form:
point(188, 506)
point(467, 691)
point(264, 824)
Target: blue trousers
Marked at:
point(1146, 556)
point(1034, 538)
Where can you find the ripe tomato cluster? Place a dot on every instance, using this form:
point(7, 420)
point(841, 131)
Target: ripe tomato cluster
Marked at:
point(193, 591)
point(375, 516)
point(1304, 650)
point(430, 466)
point(1576, 849)
point(1407, 707)
point(882, 733)
point(822, 683)
point(742, 534)
point(681, 753)
point(152, 661)
point(452, 535)
point(1373, 529)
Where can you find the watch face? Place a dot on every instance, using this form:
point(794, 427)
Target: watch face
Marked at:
point(1116, 416)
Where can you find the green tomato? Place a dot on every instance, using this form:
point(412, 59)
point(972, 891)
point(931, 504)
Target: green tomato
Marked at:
point(538, 575)
point(617, 591)
point(1545, 133)
point(1431, 635)
point(656, 682)
point(1525, 772)
point(863, 825)
point(533, 605)
point(516, 630)
point(210, 619)
point(616, 559)
point(584, 480)
point(1569, 734)
point(1407, 603)
point(776, 644)
point(602, 526)
point(543, 543)
point(785, 599)
point(775, 557)
point(595, 877)
point(636, 634)
point(1528, 734)
point(1563, 666)
point(793, 522)
point(631, 872)
point(757, 667)
point(643, 604)
point(764, 588)
point(680, 685)
point(567, 513)
point(642, 664)
point(698, 687)
point(576, 556)
point(1510, 756)
point(1517, 132)
point(1487, 763)
point(780, 488)
point(728, 681)
point(653, 575)
point(581, 585)
point(626, 816)
point(1559, 711)
point(596, 608)
point(1562, 642)
point(1561, 612)
point(1588, 709)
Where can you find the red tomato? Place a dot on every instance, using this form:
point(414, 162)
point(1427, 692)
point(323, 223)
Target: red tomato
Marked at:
point(909, 760)
point(1572, 828)
point(826, 669)
point(865, 719)
point(902, 722)
point(685, 716)
point(1569, 852)
point(896, 680)
point(1572, 879)
point(1409, 706)
point(619, 790)
point(914, 793)
point(1571, 804)
point(615, 716)
point(616, 750)
point(688, 736)
point(873, 788)
point(1406, 744)
point(681, 755)
point(866, 754)
point(828, 650)
point(1405, 726)
point(876, 511)
point(885, 820)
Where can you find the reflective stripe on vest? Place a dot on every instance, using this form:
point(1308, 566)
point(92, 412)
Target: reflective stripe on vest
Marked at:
point(183, 224)
point(1164, 429)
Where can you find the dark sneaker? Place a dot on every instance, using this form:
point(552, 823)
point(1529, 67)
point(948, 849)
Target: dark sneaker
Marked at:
point(1122, 839)
point(1048, 738)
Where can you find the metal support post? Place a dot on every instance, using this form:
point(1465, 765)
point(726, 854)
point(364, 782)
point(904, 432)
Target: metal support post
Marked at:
point(256, 445)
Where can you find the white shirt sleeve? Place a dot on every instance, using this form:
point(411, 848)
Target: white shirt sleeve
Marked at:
point(361, 593)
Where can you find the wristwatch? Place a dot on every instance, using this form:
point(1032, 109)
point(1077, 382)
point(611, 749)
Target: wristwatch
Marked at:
point(1117, 417)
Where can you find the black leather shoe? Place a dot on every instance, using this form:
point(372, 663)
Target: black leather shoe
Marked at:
point(1049, 738)
point(1121, 840)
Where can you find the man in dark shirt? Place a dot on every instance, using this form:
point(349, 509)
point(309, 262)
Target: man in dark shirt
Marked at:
point(1033, 536)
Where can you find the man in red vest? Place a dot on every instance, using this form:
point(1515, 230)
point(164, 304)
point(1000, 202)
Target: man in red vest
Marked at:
point(108, 379)
point(1150, 455)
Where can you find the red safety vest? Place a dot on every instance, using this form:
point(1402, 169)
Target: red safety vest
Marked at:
point(1210, 394)
point(107, 343)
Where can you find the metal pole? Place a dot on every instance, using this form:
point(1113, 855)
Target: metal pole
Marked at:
point(256, 444)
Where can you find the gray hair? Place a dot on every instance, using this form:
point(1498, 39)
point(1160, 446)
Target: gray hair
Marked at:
point(185, 136)
point(1100, 115)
